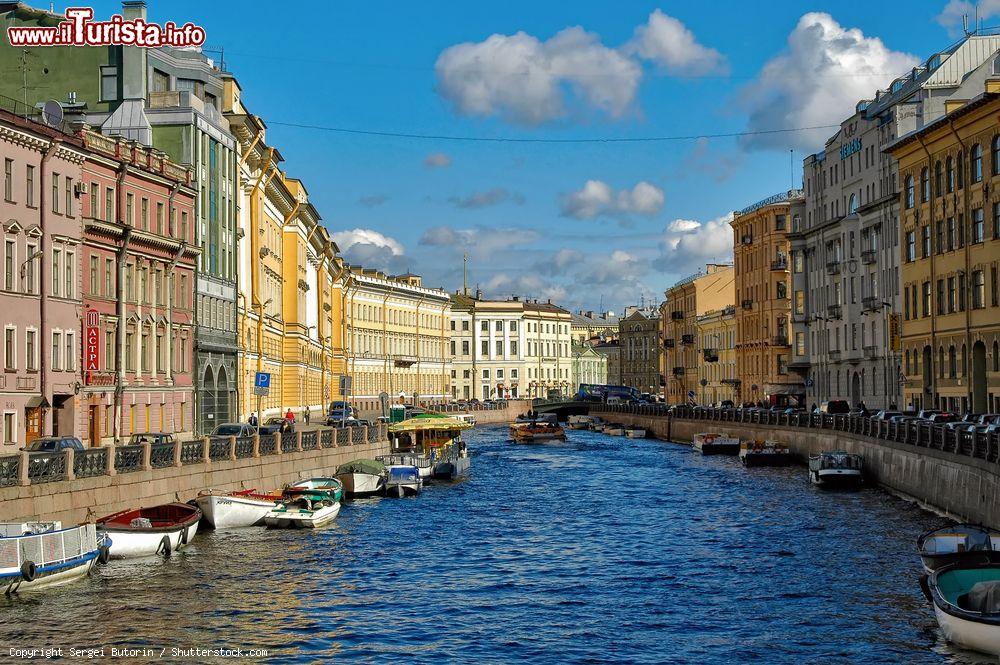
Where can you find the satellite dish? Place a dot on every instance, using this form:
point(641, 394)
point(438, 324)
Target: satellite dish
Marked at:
point(52, 113)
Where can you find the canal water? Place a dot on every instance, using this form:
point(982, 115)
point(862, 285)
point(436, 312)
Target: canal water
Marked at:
point(600, 549)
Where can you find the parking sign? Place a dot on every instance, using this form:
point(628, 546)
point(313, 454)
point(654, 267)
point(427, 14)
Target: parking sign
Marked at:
point(262, 384)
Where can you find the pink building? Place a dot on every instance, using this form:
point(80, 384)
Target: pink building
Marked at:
point(40, 282)
point(138, 285)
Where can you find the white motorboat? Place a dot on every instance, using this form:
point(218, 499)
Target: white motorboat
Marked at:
point(424, 466)
point(835, 469)
point(229, 510)
point(713, 443)
point(362, 477)
point(635, 432)
point(304, 509)
point(403, 481)
point(614, 429)
point(467, 418)
point(579, 422)
point(147, 531)
point(40, 555)
point(596, 424)
point(958, 543)
point(966, 601)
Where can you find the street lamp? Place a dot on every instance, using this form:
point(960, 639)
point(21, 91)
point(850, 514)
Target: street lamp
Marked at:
point(24, 264)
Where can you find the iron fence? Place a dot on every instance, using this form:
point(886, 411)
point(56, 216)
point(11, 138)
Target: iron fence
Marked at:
point(90, 462)
point(46, 467)
point(326, 438)
point(161, 455)
point(191, 452)
point(309, 440)
point(10, 470)
point(244, 447)
point(218, 448)
point(287, 442)
point(129, 458)
point(267, 445)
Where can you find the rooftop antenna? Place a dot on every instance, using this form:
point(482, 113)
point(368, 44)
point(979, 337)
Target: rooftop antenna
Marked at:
point(465, 273)
point(601, 306)
point(965, 24)
point(791, 168)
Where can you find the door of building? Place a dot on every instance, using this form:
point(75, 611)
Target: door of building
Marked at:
point(94, 426)
point(32, 424)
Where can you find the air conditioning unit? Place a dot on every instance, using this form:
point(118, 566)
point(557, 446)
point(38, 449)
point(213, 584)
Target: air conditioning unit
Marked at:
point(79, 189)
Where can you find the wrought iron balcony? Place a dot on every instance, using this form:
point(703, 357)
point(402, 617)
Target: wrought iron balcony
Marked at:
point(747, 304)
point(780, 340)
point(668, 343)
point(868, 256)
point(677, 315)
point(687, 339)
point(711, 355)
point(781, 263)
point(870, 302)
point(678, 371)
point(833, 311)
point(833, 267)
point(871, 352)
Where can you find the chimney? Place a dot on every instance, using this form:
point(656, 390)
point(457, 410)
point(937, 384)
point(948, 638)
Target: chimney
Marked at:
point(134, 57)
point(590, 314)
point(479, 294)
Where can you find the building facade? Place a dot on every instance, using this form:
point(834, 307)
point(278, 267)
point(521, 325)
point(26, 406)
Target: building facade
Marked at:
point(139, 261)
point(589, 325)
point(611, 350)
point(950, 330)
point(547, 356)
point(685, 302)
point(40, 293)
point(717, 378)
point(639, 341)
point(487, 347)
point(589, 366)
point(763, 326)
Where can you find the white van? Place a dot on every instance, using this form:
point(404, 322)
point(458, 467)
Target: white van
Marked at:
point(614, 401)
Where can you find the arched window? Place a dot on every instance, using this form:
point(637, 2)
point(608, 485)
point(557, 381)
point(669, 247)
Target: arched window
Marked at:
point(909, 191)
point(976, 163)
point(952, 362)
point(852, 205)
point(961, 170)
point(940, 362)
point(925, 185)
point(950, 175)
point(995, 157)
point(965, 361)
point(938, 179)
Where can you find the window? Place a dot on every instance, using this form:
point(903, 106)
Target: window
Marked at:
point(129, 209)
point(183, 293)
point(951, 294)
point(499, 347)
point(996, 220)
point(144, 213)
point(926, 240)
point(911, 245)
point(499, 373)
point(109, 205)
point(486, 373)
point(800, 302)
point(129, 351)
point(940, 296)
point(961, 292)
point(109, 282)
point(69, 196)
point(109, 84)
point(978, 289)
point(995, 150)
point(978, 225)
point(938, 179)
point(30, 351)
point(29, 186)
point(10, 348)
point(9, 428)
point(960, 177)
point(951, 235)
point(798, 263)
point(56, 350)
point(8, 179)
point(184, 229)
point(779, 222)
point(925, 185)
point(109, 350)
point(93, 275)
point(465, 326)
point(800, 344)
point(71, 354)
point(927, 299)
point(499, 326)
point(976, 163)
point(465, 348)
point(909, 191)
point(55, 193)
point(485, 345)
point(513, 348)
point(159, 218)
point(29, 269)
point(56, 271)
point(70, 275)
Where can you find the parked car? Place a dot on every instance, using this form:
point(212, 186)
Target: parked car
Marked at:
point(835, 406)
point(886, 415)
point(943, 418)
point(54, 444)
point(277, 424)
point(152, 438)
point(925, 414)
point(727, 404)
point(614, 401)
point(989, 419)
point(234, 429)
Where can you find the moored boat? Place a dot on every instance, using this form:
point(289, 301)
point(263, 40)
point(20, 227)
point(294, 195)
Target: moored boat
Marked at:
point(714, 443)
point(147, 531)
point(532, 417)
point(835, 469)
point(425, 468)
point(596, 424)
point(304, 508)
point(579, 422)
point(435, 438)
point(362, 477)
point(332, 486)
point(230, 510)
point(403, 481)
point(959, 543)
point(39, 555)
point(765, 453)
point(614, 429)
point(966, 601)
point(633, 432)
point(535, 432)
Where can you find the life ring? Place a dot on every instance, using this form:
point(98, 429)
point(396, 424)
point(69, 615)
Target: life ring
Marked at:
point(103, 554)
point(28, 571)
point(709, 440)
point(164, 547)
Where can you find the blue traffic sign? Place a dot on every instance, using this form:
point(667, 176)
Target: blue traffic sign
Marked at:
point(690, 393)
point(262, 380)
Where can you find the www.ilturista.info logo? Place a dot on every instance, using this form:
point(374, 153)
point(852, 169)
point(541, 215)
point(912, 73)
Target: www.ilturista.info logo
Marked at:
point(79, 29)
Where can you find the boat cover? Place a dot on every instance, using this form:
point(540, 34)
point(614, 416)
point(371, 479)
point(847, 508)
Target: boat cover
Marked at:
point(370, 466)
point(983, 597)
point(429, 422)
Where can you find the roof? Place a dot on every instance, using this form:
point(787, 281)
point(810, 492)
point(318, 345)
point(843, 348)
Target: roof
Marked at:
point(595, 321)
point(545, 307)
point(972, 105)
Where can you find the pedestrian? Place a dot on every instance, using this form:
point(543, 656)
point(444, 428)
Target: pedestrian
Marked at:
point(289, 416)
point(252, 420)
point(305, 415)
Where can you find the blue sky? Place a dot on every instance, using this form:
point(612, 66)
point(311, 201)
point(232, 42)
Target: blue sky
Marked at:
point(524, 212)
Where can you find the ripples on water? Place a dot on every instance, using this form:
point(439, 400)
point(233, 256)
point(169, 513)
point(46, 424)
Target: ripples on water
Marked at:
point(600, 549)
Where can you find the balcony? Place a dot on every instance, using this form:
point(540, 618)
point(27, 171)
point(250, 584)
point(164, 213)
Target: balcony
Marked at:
point(677, 315)
point(871, 352)
point(678, 371)
point(870, 303)
point(868, 256)
point(668, 343)
point(780, 340)
point(732, 382)
point(687, 339)
point(747, 304)
point(834, 354)
point(710, 355)
point(747, 239)
point(781, 263)
point(833, 311)
point(833, 267)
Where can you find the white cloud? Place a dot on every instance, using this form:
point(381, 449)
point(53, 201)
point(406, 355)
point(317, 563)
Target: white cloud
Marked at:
point(437, 160)
point(559, 263)
point(485, 199)
point(824, 71)
point(523, 79)
point(620, 269)
point(951, 16)
point(667, 42)
point(503, 285)
point(482, 240)
point(686, 244)
point(596, 198)
point(371, 249)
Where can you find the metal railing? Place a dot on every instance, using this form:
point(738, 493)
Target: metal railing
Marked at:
point(46, 467)
point(129, 458)
point(310, 440)
point(920, 434)
point(244, 447)
point(218, 448)
point(287, 442)
point(48, 549)
point(161, 455)
point(10, 470)
point(191, 452)
point(90, 462)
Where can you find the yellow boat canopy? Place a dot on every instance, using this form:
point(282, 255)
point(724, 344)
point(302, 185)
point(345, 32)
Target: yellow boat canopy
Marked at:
point(428, 424)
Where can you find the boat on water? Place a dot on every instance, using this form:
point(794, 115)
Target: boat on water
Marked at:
point(231, 510)
point(714, 443)
point(836, 468)
point(596, 424)
point(966, 600)
point(532, 417)
point(435, 438)
point(535, 432)
point(614, 429)
point(958, 543)
point(143, 532)
point(39, 555)
point(403, 481)
point(307, 505)
point(362, 477)
point(465, 418)
point(424, 467)
point(765, 453)
point(633, 432)
point(579, 422)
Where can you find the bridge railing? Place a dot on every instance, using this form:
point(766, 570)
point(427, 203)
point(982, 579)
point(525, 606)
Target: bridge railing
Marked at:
point(912, 432)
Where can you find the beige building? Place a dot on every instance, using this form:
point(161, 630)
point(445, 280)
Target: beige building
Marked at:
point(589, 366)
point(547, 357)
point(950, 328)
point(588, 325)
point(397, 336)
point(685, 302)
point(717, 356)
point(486, 347)
point(762, 277)
point(639, 343)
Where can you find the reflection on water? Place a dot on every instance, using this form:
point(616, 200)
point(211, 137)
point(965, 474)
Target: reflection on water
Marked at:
point(599, 549)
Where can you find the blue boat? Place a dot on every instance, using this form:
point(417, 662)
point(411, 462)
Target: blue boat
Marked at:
point(39, 555)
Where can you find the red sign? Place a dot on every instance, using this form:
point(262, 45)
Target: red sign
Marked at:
point(91, 341)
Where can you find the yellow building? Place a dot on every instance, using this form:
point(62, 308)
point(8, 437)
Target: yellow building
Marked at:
point(685, 302)
point(548, 358)
point(763, 341)
point(397, 335)
point(950, 227)
point(717, 356)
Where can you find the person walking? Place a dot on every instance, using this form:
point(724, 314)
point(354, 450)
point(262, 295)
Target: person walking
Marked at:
point(289, 416)
point(305, 415)
point(252, 420)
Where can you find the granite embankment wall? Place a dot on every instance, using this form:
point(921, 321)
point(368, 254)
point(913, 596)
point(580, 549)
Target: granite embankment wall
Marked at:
point(72, 501)
point(956, 485)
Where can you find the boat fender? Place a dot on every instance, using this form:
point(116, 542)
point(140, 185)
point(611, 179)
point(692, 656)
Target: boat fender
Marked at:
point(103, 554)
point(926, 588)
point(28, 571)
point(184, 538)
point(164, 547)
